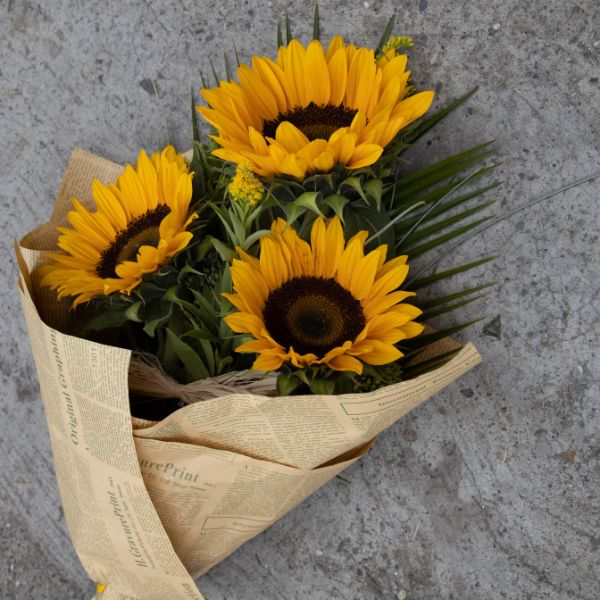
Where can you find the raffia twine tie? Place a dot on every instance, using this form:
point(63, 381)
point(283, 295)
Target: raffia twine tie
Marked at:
point(146, 378)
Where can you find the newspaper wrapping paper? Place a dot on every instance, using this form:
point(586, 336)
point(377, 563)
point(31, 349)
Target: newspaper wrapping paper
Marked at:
point(151, 505)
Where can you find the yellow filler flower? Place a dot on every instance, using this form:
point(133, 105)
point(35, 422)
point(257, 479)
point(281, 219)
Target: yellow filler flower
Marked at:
point(320, 303)
point(140, 223)
point(245, 186)
point(313, 109)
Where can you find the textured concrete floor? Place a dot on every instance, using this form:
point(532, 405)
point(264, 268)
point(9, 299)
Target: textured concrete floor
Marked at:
point(490, 490)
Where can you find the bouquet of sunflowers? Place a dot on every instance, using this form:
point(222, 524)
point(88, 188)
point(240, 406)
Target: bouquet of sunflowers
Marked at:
point(219, 333)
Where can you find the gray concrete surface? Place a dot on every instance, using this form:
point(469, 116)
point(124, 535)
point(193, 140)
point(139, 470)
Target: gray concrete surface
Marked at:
point(491, 489)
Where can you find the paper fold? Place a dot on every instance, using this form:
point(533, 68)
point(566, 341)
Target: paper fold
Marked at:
point(149, 505)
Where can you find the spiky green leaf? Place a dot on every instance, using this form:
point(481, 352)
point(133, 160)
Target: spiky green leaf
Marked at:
point(385, 35)
point(421, 282)
point(412, 134)
point(192, 363)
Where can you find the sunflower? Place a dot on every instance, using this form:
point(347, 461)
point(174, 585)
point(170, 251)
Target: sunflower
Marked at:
point(140, 223)
point(313, 109)
point(326, 302)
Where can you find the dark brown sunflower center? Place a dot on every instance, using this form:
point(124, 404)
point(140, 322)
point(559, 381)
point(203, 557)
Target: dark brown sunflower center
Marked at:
point(141, 231)
point(313, 315)
point(315, 122)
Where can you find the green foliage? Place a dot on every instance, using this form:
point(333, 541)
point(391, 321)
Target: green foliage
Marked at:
point(177, 313)
point(316, 27)
point(412, 211)
point(385, 35)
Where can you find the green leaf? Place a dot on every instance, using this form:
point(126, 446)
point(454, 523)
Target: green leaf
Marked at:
point(195, 129)
point(391, 223)
point(107, 319)
point(207, 351)
point(495, 220)
point(421, 282)
point(439, 300)
point(254, 237)
point(193, 364)
point(208, 313)
point(239, 229)
point(442, 239)
point(198, 182)
point(367, 218)
point(189, 310)
point(317, 180)
point(431, 314)
point(225, 252)
point(345, 382)
point(132, 313)
point(214, 71)
point(227, 67)
point(237, 56)
point(158, 314)
point(279, 36)
point(443, 207)
point(409, 193)
point(422, 127)
point(423, 233)
point(412, 371)
point(415, 345)
point(286, 384)
point(228, 222)
point(456, 159)
point(316, 33)
point(374, 187)
point(424, 178)
point(322, 386)
point(354, 184)
point(385, 35)
point(337, 202)
point(308, 200)
point(200, 334)
point(293, 212)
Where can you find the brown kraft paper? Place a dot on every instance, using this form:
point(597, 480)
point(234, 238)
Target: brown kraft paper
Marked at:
point(151, 505)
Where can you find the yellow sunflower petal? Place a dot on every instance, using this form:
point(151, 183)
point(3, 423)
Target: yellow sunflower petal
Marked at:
point(350, 258)
point(365, 155)
point(346, 363)
point(376, 352)
point(237, 301)
point(272, 264)
point(324, 291)
point(295, 69)
point(388, 282)
point(108, 204)
point(294, 166)
point(108, 250)
point(308, 86)
point(255, 346)
point(316, 74)
point(250, 285)
point(268, 361)
point(266, 72)
point(253, 85)
point(338, 77)
point(244, 323)
point(290, 137)
point(337, 43)
point(364, 275)
point(412, 329)
point(380, 304)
